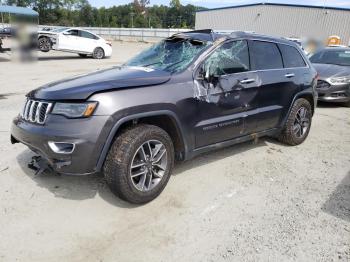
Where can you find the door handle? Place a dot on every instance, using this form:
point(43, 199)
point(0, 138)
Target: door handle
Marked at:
point(247, 81)
point(289, 75)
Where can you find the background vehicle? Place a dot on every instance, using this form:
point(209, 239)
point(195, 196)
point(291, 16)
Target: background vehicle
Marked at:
point(74, 40)
point(333, 67)
point(189, 94)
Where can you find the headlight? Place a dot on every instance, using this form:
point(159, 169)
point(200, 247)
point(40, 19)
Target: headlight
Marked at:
point(340, 80)
point(74, 110)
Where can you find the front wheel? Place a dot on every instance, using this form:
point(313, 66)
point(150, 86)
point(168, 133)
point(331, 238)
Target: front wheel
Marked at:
point(44, 44)
point(298, 124)
point(98, 53)
point(139, 163)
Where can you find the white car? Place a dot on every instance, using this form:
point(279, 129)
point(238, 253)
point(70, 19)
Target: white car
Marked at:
point(74, 40)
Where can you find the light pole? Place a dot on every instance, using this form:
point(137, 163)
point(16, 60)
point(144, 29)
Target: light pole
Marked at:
point(132, 19)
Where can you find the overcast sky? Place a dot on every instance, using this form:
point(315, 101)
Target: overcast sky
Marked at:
point(214, 3)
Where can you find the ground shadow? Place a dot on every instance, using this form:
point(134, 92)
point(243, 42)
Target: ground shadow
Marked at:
point(4, 59)
point(57, 58)
point(207, 158)
point(87, 187)
point(321, 104)
point(70, 187)
point(338, 204)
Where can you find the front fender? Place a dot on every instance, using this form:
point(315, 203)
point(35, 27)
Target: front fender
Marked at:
point(116, 126)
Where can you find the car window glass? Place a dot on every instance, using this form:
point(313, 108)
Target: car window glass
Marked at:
point(265, 55)
point(73, 32)
point(87, 35)
point(334, 56)
point(230, 58)
point(291, 56)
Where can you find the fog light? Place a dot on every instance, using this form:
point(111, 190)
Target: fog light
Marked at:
point(62, 147)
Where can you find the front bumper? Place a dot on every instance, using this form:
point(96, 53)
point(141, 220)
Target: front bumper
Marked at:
point(334, 93)
point(88, 136)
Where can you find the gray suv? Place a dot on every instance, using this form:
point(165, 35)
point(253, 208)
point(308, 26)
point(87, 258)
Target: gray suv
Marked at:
point(189, 94)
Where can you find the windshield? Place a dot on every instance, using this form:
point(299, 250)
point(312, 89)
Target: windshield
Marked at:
point(58, 30)
point(172, 55)
point(335, 57)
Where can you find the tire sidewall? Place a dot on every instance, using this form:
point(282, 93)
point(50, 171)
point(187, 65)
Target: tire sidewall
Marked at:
point(163, 182)
point(297, 105)
point(94, 53)
point(47, 40)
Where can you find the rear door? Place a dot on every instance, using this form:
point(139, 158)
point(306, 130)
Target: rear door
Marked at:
point(68, 40)
point(275, 84)
point(87, 41)
point(297, 73)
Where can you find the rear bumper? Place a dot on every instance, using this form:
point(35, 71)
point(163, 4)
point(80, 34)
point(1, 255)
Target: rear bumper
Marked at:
point(335, 93)
point(108, 50)
point(85, 134)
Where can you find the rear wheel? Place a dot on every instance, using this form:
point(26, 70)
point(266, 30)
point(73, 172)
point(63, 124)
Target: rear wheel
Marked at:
point(298, 124)
point(139, 163)
point(98, 53)
point(44, 44)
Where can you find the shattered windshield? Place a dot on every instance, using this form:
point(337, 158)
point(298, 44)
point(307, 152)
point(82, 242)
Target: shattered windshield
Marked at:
point(172, 55)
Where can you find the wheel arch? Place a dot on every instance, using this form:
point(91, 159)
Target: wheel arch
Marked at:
point(308, 95)
point(164, 119)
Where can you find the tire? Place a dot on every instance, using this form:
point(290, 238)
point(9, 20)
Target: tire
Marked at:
point(44, 44)
point(83, 55)
point(125, 157)
point(291, 133)
point(98, 53)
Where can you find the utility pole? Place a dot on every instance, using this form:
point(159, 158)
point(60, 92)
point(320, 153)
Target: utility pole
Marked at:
point(132, 19)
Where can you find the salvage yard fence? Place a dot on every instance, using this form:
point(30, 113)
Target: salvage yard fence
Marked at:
point(129, 34)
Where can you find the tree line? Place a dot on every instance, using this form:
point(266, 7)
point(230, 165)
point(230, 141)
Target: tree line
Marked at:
point(138, 13)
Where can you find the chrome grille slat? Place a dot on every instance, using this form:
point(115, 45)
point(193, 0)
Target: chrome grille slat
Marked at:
point(36, 111)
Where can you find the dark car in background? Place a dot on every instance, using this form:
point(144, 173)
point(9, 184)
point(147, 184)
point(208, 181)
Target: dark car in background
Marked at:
point(189, 94)
point(333, 67)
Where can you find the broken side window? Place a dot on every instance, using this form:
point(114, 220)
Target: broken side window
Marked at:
point(230, 58)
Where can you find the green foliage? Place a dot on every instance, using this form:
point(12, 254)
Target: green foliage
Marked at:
point(81, 13)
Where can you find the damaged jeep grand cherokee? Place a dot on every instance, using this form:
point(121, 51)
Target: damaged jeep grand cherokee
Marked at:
point(188, 94)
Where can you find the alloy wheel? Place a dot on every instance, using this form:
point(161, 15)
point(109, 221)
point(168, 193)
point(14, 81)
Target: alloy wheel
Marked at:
point(148, 165)
point(301, 123)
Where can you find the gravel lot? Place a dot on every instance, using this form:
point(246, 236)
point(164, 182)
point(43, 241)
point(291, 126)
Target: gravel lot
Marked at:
point(260, 201)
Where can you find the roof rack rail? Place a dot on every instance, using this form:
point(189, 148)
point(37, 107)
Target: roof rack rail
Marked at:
point(202, 31)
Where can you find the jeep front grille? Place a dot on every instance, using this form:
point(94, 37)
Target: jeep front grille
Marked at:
point(36, 111)
point(322, 84)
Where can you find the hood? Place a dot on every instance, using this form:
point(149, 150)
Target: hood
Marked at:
point(43, 32)
point(82, 87)
point(327, 70)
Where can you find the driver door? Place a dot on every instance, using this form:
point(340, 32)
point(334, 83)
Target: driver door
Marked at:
point(68, 40)
point(227, 97)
